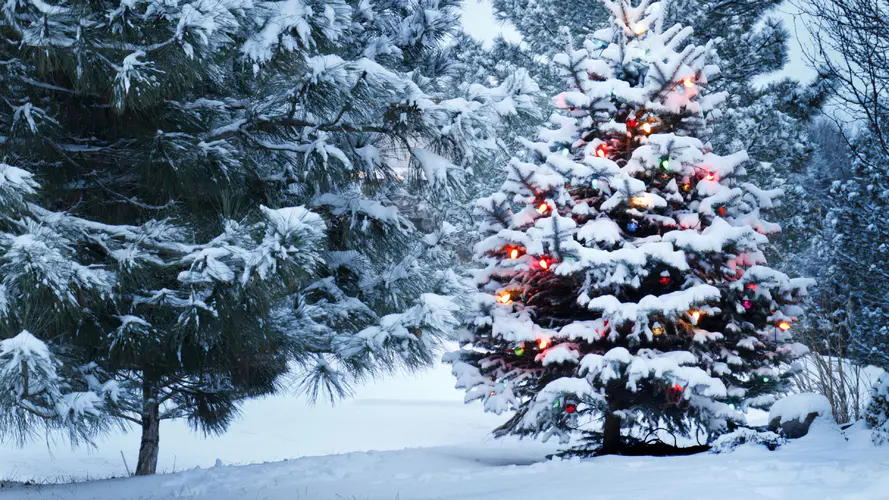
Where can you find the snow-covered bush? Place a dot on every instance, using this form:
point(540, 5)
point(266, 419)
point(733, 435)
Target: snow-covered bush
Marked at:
point(877, 413)
point(744, 435)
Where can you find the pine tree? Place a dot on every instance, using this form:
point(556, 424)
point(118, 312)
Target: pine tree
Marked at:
point(629, 293)
point(46, 382)
point(221, 197)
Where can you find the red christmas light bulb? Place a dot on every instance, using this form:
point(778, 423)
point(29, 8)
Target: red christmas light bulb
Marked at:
point(751, 286)
point(664, 280)
point(602, 151)
point(747, 304)
point(632, 123)
point(570, 408)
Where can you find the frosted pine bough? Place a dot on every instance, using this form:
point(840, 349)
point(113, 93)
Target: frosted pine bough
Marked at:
point(624, 289)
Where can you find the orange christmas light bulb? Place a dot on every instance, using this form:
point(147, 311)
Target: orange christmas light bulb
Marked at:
point(542, 208)
point(514, 253)
point(646, 128)
point(542, 343)
point(505, 298)
point(688, 82)
point(784, 325)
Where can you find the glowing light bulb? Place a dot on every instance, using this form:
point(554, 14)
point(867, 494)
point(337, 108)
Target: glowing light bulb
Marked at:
point(602, 151)
point(632, 123)
point(505, 298)
point(688, 82)
point(514, 253)
point(646, 127)
point(542, 343)
point(751, 286)
point(543, 263)
point(640, 29)
point(711, 176)
point(784, 325)
point(519, 350)
point(542, 208)
point(657, 330)
point(696, 315)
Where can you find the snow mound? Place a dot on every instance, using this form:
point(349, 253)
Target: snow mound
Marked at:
point(799, 406)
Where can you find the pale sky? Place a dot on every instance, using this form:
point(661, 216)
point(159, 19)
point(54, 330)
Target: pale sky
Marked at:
point(478, 19)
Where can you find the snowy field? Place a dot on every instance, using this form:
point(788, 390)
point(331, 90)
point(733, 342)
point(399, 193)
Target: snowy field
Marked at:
point(823, 465)
point(394, 413)
point(449, 456)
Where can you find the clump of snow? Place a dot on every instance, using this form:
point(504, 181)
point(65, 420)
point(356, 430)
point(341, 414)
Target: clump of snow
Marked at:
point(799, 406)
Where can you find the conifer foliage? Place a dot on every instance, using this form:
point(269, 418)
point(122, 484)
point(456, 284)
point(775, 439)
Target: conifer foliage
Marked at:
point(624, 288)
point(198, 195)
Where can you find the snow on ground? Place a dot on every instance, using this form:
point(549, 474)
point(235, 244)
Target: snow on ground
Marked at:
point(822, 465)
point(450, 456)
point(397, 412)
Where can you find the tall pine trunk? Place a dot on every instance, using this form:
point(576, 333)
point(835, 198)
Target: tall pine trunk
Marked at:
point(148, 449)
point(611, 434)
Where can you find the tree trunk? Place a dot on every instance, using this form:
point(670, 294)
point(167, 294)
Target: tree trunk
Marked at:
point(148, 449)
point(611, 434)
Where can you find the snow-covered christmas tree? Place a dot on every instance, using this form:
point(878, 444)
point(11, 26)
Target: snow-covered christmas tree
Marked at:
point(625, 290)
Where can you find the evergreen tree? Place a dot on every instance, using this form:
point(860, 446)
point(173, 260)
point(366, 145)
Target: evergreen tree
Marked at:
point(46, 383)
point(768, 120)
point(629, 290)
point(850, 37)
point(221, 194)
point(854, 254)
